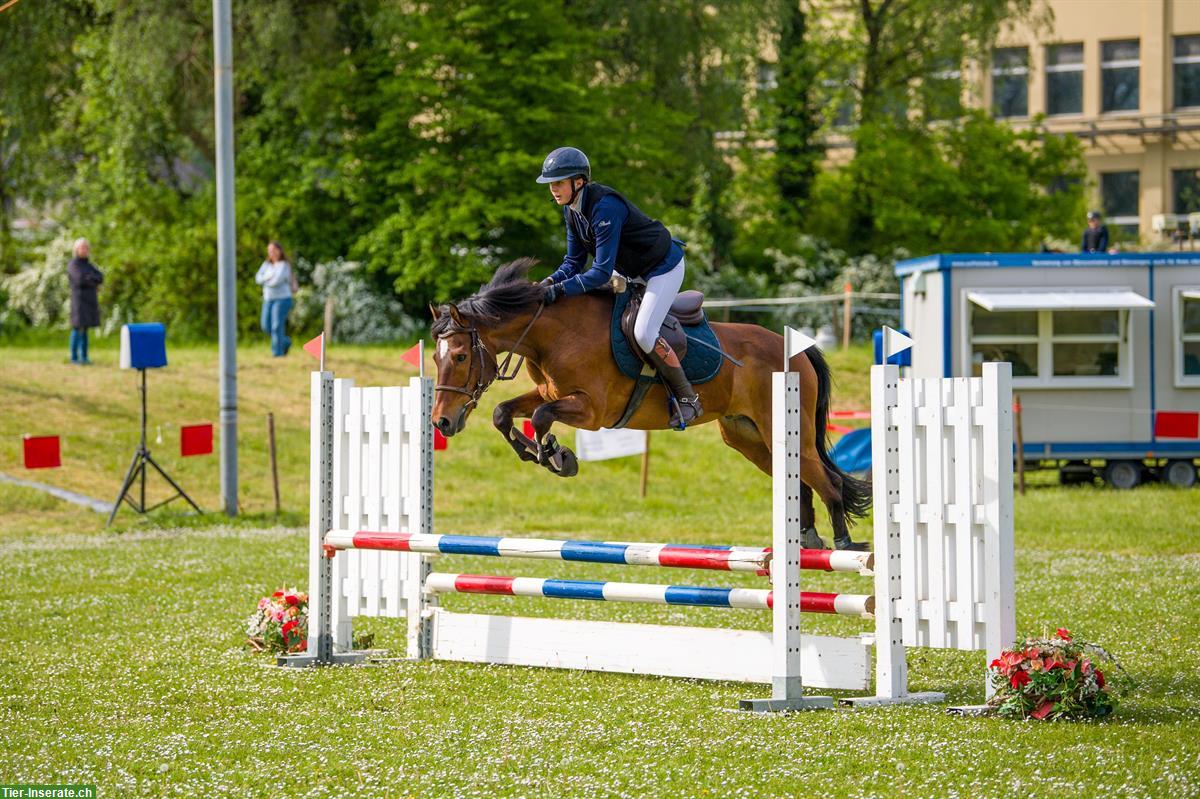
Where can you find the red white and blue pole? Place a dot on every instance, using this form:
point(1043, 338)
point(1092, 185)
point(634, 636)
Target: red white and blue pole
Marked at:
point(683, 556)
point(752, 598)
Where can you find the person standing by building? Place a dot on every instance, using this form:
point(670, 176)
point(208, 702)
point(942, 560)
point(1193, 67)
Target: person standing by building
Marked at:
point(275, 276)
point(1095, 235)
point(85, 304)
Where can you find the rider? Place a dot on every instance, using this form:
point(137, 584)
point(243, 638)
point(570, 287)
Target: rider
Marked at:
point(602, 223)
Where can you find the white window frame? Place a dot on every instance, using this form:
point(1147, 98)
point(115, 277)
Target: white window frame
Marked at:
point(1181, 59)
point(1023, 71)
point(1079, 67)
point(1121, 63)
point(1046, 340)
point(1182, 380)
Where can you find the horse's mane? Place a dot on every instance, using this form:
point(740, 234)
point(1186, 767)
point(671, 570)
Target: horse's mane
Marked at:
point(508, 294)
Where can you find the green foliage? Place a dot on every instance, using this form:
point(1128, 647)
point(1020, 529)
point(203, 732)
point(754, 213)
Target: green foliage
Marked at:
point(39, 295)
point(407, 142)
point(798, 149)
point(975, 185)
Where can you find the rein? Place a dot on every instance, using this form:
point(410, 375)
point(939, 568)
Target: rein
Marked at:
point(500, 370)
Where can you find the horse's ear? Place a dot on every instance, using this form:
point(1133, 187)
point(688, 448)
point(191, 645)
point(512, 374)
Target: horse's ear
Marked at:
point(455, 315)
point(433, 311)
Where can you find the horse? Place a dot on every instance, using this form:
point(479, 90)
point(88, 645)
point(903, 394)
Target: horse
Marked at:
point(565, 348)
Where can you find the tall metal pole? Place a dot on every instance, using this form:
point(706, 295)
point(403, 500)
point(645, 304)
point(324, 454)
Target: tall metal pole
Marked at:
point(226, 252)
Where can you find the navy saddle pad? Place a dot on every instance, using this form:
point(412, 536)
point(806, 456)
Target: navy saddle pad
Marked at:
point(701, 363)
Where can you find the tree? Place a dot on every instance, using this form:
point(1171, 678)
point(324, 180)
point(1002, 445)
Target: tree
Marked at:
point(36, 62)
point(973, 186)
point(798, 146)
point(900, 50)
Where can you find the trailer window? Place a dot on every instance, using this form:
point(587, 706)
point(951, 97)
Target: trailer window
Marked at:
point(1058, 347)
point(1085, 343)
point(1188, 314)
point(1005, 336)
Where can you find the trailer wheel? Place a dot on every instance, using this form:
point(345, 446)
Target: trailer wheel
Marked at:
point(1180, 473)
point(1123, 474)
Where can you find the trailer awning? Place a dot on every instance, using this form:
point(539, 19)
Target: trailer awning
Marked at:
point(1058, 299)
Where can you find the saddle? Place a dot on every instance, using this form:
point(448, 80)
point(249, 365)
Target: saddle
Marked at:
point(684, 324)
point(685, 310)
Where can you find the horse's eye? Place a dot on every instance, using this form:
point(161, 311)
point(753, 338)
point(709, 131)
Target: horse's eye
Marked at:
point(462, 356)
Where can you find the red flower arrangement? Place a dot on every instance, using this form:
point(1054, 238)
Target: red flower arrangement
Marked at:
point(1055, 678)
point(280, 623)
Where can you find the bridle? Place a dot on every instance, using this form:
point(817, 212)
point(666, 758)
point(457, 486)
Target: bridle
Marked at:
point(499, 370)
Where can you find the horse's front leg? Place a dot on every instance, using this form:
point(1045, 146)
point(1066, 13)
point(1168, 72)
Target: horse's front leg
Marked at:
point(517, 407)
point(575, 410)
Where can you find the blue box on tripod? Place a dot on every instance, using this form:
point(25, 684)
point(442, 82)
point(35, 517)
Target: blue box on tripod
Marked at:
point(143, 346)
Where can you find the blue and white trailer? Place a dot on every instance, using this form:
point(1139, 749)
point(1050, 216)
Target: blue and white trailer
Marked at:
point(1105, 352)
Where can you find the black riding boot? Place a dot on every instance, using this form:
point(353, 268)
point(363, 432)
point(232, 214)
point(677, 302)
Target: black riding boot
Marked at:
point(667, 363)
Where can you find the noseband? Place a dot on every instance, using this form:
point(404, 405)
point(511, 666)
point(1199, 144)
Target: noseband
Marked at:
point(499, 371)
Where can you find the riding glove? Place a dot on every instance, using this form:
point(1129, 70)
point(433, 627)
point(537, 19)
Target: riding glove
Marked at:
point(551, 293)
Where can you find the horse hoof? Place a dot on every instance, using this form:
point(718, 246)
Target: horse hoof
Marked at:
point(810, 540)
point(570, 464)
point(850, 546)
point(565, 464)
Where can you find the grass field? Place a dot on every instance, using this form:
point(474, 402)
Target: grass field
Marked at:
point(121, 659)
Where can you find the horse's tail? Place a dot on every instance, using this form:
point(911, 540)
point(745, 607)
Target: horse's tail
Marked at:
point(856, 494)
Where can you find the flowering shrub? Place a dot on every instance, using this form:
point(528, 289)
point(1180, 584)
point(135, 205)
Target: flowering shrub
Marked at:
point(363, 314)
point(39, 295)
point(1055, 678)
point(280, 624)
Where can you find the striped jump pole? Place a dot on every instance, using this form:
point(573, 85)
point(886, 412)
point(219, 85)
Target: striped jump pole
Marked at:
point(753, 598)
point(683, 556)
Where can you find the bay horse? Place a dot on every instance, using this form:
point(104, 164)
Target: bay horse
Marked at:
point(565, 347)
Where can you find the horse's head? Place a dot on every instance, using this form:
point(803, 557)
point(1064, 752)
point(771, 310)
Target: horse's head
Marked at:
point(465, 368)
point(468, 335)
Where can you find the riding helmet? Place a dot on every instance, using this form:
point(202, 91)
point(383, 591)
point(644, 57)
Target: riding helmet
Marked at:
point(565, 162)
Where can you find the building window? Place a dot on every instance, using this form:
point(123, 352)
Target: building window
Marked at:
point(1120, 195)
point(767, 77)
point(1187, 311)
point(1187, 71)
point(841, 96)
point(1185, 185)
point(1010, 82)
point(1064, 79)
point(1119, 75)
point(943, 93)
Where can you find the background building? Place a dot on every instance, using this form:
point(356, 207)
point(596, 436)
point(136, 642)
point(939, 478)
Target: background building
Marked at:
point(1124, 76)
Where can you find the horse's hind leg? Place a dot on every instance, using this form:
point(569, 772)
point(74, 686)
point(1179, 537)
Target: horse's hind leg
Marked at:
point(517, 407)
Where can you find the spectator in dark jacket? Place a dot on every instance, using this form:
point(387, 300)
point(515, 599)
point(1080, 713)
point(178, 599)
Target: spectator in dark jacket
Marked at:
point(1095, 235)
point(85, 306)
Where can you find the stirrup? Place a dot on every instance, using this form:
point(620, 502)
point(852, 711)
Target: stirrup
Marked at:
point(677, 420)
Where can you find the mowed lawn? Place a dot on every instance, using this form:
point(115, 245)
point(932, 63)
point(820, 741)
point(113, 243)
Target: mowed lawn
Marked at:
point(122, 660)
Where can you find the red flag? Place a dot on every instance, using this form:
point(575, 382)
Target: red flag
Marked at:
point(413, 355)
point(313, 347)
point(196, 439)
point(439, 440)
point(42, 452)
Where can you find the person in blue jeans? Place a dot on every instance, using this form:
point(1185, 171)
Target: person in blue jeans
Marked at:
point(84, 278)
point(275, 276)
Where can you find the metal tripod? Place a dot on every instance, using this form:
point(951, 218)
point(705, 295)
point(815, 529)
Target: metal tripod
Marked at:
point(137, 471)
